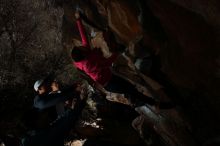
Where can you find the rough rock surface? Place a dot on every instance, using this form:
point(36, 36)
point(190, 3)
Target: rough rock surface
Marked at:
point(35, 40)
point(31, 48)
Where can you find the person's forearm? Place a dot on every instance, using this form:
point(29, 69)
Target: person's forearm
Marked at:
point(82, 33)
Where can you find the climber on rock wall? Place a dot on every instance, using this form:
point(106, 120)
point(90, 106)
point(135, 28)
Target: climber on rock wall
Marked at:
point(96, 61)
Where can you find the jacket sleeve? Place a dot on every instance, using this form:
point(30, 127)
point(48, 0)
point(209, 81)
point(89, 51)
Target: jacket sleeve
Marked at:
point(49, 100)
point(81, 29)
point(43, 102)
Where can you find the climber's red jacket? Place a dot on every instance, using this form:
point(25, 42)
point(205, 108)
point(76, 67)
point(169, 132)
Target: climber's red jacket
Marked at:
point(94, 65)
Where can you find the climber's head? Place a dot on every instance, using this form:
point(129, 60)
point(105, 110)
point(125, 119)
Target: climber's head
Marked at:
point(78, 53)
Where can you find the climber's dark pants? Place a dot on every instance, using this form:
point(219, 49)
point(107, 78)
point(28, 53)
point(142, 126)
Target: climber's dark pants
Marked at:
point(120, 85)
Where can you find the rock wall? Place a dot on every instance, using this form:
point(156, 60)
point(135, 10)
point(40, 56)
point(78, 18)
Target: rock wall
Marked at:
point(30, 48)
point(191, 57)
point(184, 34)
point(185, 37)
point(30, 41)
